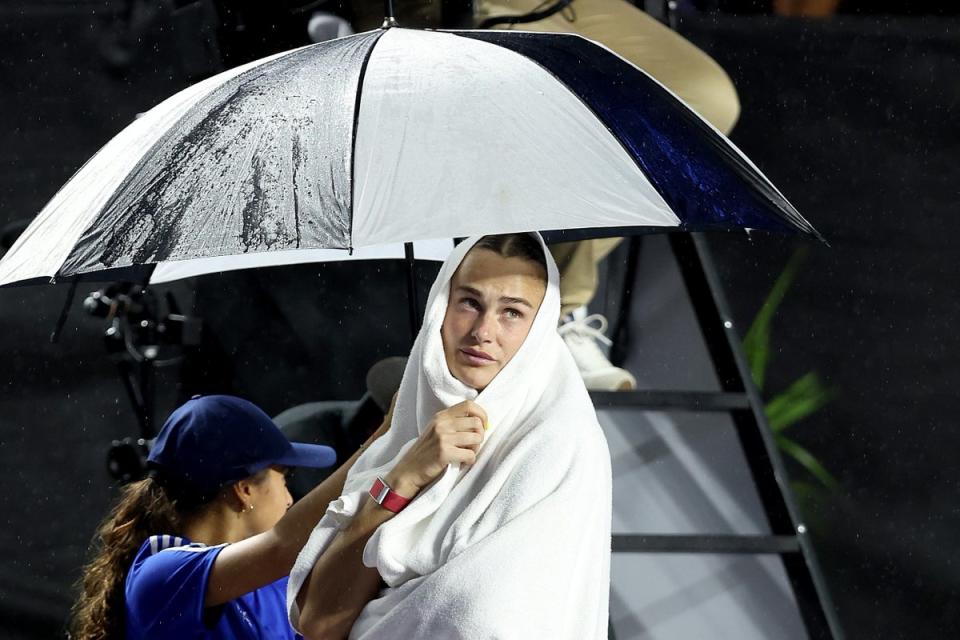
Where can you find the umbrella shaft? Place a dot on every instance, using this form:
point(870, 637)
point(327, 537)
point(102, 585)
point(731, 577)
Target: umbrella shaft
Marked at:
point(412, 301)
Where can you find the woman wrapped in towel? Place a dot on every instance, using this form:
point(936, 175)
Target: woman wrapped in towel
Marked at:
point(484, 512)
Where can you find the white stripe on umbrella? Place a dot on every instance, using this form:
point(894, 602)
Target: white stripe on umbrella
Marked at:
point(262, 163)
point(95, 183)
point(513, 148)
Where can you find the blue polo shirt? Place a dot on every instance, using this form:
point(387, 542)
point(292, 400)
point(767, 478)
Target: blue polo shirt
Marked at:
point(166, 587)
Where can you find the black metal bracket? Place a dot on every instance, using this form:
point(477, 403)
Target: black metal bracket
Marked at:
point(696, 401)
point(670, 543)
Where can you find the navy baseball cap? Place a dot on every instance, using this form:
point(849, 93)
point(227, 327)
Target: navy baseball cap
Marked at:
point(212, 441)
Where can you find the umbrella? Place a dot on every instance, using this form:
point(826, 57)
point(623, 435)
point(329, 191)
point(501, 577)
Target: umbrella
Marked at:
point(435, 250)
point(394, 136)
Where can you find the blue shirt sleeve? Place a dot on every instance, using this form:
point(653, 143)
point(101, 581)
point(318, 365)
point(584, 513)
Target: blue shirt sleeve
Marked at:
point(165, 591)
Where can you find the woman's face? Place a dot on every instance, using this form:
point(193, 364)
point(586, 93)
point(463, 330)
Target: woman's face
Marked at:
point(270, 499)
point(493, 301)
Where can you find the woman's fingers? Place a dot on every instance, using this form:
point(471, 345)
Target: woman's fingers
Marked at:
point(470, 424)
point(466, 439)
point(470, 408)
point(451, 424)
point(464, 456)
point(453, 436)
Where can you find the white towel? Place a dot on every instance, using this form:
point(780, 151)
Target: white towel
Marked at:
point(518, 546)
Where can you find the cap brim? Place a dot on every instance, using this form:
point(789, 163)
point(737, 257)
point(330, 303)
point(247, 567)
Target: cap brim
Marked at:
point(314, 456)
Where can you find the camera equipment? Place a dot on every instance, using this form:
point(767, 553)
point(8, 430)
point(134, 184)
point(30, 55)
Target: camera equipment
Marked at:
point(140, 339)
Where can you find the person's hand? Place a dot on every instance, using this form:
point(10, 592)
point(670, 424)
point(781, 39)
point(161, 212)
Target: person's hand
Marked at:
point(454, 435)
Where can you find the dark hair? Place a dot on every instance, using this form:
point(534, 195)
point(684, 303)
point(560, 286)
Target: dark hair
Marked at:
point(144, 509)
point(515, 245)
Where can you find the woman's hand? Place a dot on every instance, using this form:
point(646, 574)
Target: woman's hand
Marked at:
point(454, 435)
point(328, 606)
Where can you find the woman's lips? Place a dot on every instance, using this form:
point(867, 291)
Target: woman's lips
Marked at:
point(476, 358)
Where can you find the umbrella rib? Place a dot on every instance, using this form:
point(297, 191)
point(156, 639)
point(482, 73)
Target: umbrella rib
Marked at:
point(295, 152)
point(353, 138)
point(580, 99)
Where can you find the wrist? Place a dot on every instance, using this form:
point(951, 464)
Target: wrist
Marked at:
point(384, 495)
point(402, 484)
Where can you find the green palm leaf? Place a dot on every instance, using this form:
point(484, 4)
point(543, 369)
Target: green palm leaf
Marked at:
point(756, 344)
point(801, 399)
point(806, 459)
point(804, 397)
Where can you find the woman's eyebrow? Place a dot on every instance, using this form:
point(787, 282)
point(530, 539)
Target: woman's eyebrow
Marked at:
point(470, 290)
point(503, 299)
point(509, 300)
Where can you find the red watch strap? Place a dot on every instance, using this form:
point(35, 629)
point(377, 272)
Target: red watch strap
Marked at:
point(387, 497)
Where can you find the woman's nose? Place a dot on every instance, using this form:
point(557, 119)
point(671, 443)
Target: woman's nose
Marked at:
point(483, 329)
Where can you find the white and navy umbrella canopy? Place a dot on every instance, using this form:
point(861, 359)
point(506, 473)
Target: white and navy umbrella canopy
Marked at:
point(396, 136)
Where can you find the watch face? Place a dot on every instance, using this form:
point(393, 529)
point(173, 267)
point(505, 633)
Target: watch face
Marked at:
point(379, 491)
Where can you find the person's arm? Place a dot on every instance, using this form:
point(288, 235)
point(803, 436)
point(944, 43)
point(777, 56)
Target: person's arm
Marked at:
point(340, 585)
point(259, 560)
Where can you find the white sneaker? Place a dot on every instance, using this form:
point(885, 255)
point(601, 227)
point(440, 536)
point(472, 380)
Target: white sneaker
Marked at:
point(581, 337)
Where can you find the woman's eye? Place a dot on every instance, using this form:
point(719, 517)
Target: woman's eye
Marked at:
point(513, 314)
point(470, 302)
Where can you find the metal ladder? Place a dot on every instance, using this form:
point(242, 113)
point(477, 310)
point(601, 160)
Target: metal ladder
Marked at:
point(740, 399)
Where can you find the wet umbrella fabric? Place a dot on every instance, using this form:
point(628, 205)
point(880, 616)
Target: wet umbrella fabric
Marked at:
point(393, 136)
point(433, 250)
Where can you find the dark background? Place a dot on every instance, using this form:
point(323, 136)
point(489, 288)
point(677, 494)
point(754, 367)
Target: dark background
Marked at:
point(854, 118)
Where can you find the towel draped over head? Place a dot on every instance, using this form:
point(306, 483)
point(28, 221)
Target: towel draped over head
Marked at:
point(516, 546)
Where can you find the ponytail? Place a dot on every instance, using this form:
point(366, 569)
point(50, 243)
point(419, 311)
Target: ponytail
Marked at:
point(144, 509)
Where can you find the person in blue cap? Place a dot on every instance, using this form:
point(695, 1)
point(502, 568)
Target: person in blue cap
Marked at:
point(201, 548)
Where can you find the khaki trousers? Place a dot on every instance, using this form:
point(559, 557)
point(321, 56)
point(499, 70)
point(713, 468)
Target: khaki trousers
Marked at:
point(577, 262)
